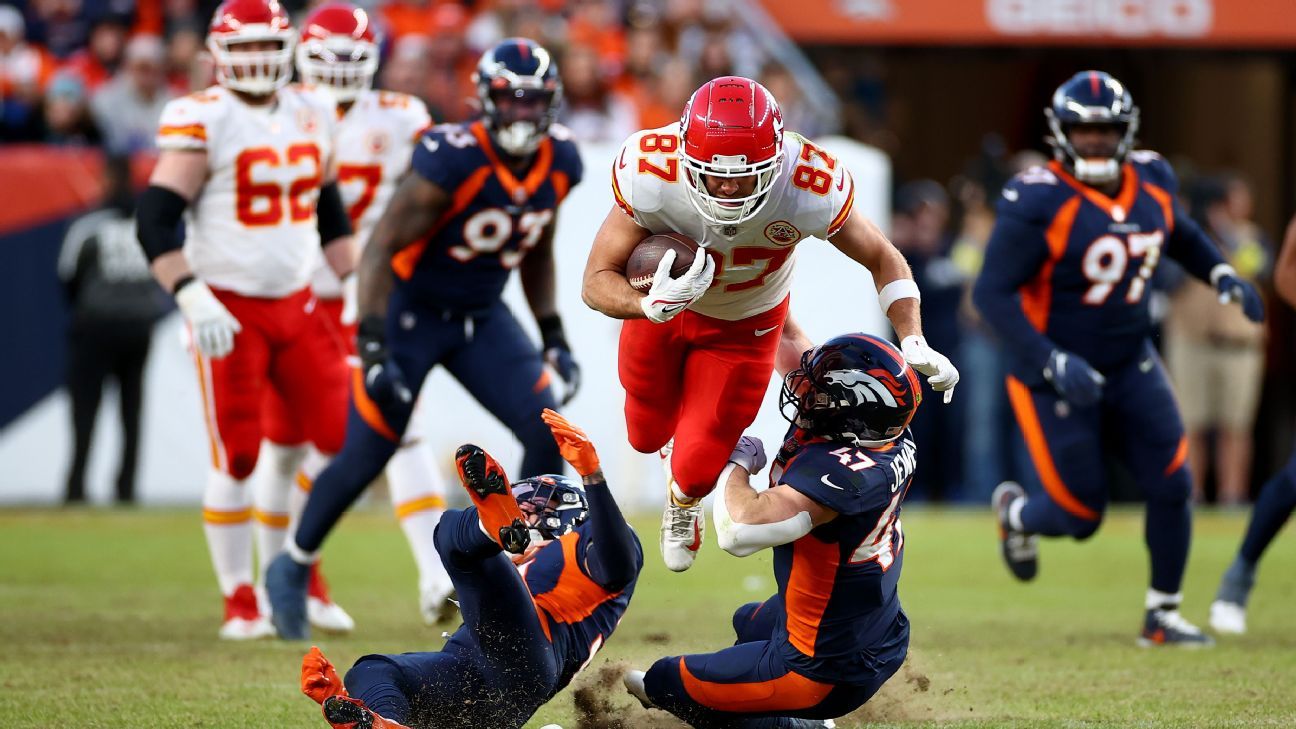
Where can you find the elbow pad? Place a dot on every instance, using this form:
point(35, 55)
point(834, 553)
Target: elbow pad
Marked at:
point(330, 215)
point(157, 218)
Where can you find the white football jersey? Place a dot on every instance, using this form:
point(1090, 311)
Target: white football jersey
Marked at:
point(252, 229)
point(375, 140)
point(812, 197)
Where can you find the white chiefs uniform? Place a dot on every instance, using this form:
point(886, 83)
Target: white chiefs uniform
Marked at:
point(252, 229)
point(812, 197)
point(375, 140)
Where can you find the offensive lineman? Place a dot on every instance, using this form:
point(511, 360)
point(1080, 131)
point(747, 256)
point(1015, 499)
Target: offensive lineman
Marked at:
point(249, 165)
point(696, 353)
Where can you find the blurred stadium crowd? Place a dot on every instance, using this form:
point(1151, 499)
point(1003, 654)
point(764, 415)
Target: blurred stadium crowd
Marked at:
point(96, 73)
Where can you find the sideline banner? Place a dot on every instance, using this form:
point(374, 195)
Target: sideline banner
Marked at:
point(1204, 23)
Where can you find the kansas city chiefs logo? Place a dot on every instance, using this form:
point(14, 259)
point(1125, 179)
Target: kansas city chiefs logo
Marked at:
point(877, 385)
point(782, 232)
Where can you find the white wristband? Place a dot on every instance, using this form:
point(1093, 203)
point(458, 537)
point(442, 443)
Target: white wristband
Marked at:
point(1220, 271)
point(901, 288)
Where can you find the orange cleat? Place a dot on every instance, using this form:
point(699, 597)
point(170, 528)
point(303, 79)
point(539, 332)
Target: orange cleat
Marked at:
point(344, 712)
point(488, 488)
point(319, 679)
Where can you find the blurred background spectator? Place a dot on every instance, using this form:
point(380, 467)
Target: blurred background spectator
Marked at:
point(67, 113)
point(1214, 354)
point(114, 303)
point(128, 107)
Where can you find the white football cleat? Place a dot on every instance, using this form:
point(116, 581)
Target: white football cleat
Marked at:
point(634, 684)
point(258, 628)
point(682, 530)
point(328, 617)
point(1228, 618)
point(437, 604)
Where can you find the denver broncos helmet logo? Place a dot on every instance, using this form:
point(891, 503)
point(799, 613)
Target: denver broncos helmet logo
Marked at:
point(877, 385)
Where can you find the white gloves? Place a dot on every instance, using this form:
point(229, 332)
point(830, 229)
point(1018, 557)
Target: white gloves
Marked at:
point(669, 296)
point(936, 367)
point(212, 325)
point(350, 299)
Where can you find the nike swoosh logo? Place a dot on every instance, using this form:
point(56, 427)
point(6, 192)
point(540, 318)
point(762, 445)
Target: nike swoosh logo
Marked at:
point(763, 332)
point(697, 538)
point(841, 184)
point(672, 309)
point(621, 162)
point(828, 482)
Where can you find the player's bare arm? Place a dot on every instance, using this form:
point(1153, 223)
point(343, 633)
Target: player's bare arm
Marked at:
point(539, 281)
point(748, 520)
point(181, 172)
point(1285, 270)
point(414, 208)
point(792, 344)
point(605, 288)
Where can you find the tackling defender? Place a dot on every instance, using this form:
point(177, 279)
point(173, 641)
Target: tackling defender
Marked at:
point(249, 164)
point(1277, 498)
point(1064, 285)
point(834, 632)
point(530, 623)
point(480, 202)
point(697, 351)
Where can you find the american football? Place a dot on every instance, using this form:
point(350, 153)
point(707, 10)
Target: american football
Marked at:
point(646, 256)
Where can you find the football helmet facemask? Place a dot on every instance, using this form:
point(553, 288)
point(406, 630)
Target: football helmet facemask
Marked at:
point(338, 50)
point(1092, 98)
point(237, 24)
point(519, 91)
point(553, 504)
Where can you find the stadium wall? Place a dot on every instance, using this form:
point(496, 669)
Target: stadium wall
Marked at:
point(830, 296)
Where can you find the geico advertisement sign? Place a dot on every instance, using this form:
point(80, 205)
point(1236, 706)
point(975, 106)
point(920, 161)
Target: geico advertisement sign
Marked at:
point(1132, 18)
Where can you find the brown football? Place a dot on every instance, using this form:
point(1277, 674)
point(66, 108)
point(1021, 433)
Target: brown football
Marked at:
point(644, 258)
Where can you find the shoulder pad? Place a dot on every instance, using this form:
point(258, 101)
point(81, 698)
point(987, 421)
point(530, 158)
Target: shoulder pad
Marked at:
point(848, 479)
point(567, 159)
point(644, 192)
point(1033, 195)
point(444, 155)
point(188, 122)
point(1154, 168)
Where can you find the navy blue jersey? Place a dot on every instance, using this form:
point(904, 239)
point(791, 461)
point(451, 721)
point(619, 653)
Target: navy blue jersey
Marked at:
point(1068, 267)
point(577, 614)
point(493, 219)
point(838, 582)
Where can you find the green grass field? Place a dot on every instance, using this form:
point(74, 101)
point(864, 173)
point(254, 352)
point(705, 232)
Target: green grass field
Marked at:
point(109, 619)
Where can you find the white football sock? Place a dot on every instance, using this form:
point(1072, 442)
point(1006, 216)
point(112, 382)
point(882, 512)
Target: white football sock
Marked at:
point(1014, 514)
point(418, 498)
point(227, 522)
point(1162, 600)
point(273, 484)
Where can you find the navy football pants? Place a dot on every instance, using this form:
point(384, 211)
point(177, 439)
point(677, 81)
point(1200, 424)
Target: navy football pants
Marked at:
point(750, 685)
point(493, 359)
point(496, 669)
point(1137, 422)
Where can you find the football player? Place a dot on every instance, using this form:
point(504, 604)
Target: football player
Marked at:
point(479, 203)
point(249, 164)
point(377, 131)
point(834, 632)
point(1277, 497)
point(697, 351)
point(544, 573)
point(1065, 286)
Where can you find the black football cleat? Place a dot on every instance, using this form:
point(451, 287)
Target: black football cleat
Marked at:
point(344, 712)
point(1020, 549)
point(1166, 627)
point(489, 490)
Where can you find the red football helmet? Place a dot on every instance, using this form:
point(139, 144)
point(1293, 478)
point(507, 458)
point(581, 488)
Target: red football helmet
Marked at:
point(338, 50)
point(238, 22)
point(732, 127)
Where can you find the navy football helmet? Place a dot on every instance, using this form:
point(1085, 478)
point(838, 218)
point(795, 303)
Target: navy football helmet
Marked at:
point(519, 90)
point(558, 501)
point(1092, 98)
point(854, 388)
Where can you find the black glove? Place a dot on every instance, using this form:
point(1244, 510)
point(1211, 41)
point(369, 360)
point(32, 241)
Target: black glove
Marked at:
point(1073, 378)
point(557, 354)
point(383, 379)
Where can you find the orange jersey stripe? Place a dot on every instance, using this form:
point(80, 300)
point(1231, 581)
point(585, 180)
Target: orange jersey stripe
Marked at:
point(576, 596)
point(368, 409)
point(422, 503)
point(1124, 199)
point(1036, 296)
point(197, 131)
point(1024, 408)
point(810, 584)
point(225, 517)
point(788, 692)
point(212, 435)
point(1181, 455)
point(274, 521)
point(1165, 201)
point(561, 186)
point(840, 219)
point(404, 261)
point(535, 178)
point(542, 382)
